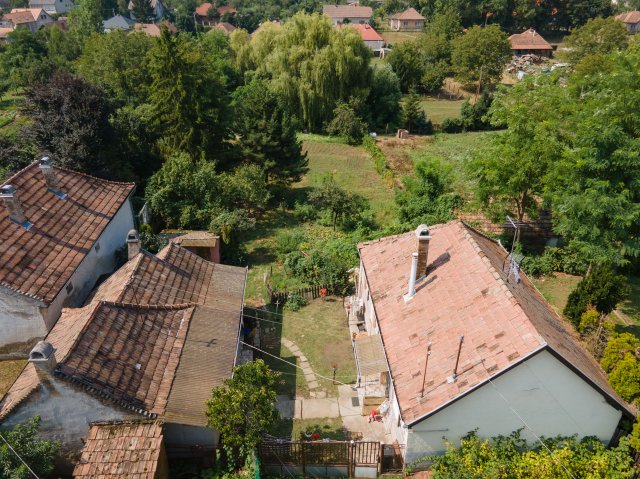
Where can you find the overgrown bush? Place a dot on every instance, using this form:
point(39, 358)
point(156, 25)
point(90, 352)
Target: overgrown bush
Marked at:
point(589, 321)
point(379, 161)
point(295, 301)
point(603, 289)
point(554, 260)
point(452, 125)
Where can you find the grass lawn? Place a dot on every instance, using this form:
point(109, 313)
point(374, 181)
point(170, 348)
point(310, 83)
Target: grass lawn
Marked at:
point(438, 110)
point(394, 38)
point(9, 371)
point(556, 288)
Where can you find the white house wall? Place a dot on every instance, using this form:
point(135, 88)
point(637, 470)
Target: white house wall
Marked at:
point(20, 320)
point(551, 398)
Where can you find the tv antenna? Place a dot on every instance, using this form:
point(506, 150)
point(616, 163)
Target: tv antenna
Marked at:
point(511, 265)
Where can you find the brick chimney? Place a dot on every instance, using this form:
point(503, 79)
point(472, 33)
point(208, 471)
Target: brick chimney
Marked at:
point(133, 244)
point(43, 357)
point(422, 238)
point(46, 166)
point(10, 197)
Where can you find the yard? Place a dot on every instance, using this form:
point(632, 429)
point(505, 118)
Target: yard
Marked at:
point(437, 110)
point(393, 38)
point(9, 371)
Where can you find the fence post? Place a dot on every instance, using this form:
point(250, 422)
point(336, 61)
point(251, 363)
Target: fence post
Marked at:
point(304, 458)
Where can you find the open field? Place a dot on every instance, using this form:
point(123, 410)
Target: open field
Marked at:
point(438, 110)
point(9, 371)
point(393, 38)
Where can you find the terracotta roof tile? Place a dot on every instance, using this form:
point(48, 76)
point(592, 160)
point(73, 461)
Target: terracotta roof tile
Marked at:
point(465, 294)
point(408, 14)
point(366, 31)
point(629, 17)
point(126, 450)
point(346, 11)
point(40, 261)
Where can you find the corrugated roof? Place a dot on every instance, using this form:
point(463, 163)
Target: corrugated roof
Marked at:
point(39, 262)
point(409, 14)
point(465, 294)
point(346, 11)
point(529, 40)
point(121, 450)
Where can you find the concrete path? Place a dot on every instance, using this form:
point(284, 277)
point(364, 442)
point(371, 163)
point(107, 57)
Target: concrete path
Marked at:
point(315, 391)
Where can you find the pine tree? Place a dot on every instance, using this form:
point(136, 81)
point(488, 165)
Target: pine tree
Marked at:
point(142, 11)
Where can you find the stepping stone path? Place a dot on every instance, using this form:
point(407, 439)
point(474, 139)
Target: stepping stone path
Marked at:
point(315, 391)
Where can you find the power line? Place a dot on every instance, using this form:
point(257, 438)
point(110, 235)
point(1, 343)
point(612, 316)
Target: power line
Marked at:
point(18, 456)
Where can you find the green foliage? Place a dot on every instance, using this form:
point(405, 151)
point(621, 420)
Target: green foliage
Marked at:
point(244, 406)
point(603, 289)
point(427, 196)
point(597, 37)
point(344, 209)
point(589, 321)
point(39, 454)
point(142, 11)
point(23, 59)
point(266, 134)
point(149, 241)
point(512, 457)
point(618, 346)
point(86, 19)
point(377, 156)
point(553, 260)
point(407, 63)
point(480, 55)
point(414, 118)
point(384, 98)
point(295, 302)
point(347, 124)
point(625, 378)
point(620, 359)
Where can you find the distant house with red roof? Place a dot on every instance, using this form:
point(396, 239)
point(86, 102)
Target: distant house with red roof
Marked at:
point(340, 14)
point(631, 20)
point(32, 19)
point(452, 338)
point(202, 13)
point(529, 42)
point(408, 20)
point(370, 37)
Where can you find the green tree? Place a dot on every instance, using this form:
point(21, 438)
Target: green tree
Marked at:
point(618, 346)
point(21, 60)
point(408, 64)
point(188, 98)
point(621, 360)
point(414, 118)
point(142, 11)
point(244, 406)
point(480, 55)
point(86, 19)
point(23, 439)
point(603, 289)
point(347, 124)
point(384, 98)
point(597, 36)
point(266, 134)
point(341, 205)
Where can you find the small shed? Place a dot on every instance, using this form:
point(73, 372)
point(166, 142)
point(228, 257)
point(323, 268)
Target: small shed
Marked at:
point(530, 42)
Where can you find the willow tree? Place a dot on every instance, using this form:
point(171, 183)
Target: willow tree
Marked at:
point(314, 66)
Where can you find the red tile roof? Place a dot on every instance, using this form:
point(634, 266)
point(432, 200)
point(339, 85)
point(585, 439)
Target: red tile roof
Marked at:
point(408, 14)
point(529, 40)
point(23, 15)
point(38, 262)
point(203, 10)
point(126, 344)
point(224, 27)
point(465, 293)
point(366, 31)
point(346, 11)
point(224, 9)
point(126, 450)
point(629, 17)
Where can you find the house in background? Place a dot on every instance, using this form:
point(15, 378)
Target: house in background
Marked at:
point(4, 33)
point(158, 9)
point(118, 22)
point(370, 37)
point(347, 14)
point(52, 7)
point(631, 20)
point(471, 344)
point(224, 27)
point(530, 42)
point(59, 232)
point(155, 29)
point(409, 20)
point(155, 338)
point(202, 13)
point(33, 19)
point(123, 450)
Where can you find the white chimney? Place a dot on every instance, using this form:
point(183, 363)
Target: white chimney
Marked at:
point(46, 166)
point(412, 277)
point(10, 197)
point(133, 244)
point(43, 357)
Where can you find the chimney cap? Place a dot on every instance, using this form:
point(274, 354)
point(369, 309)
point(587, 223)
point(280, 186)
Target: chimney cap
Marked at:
point(422, 232)
point(132, 236)
point(7, 191)
point(45, 162)
point(41, 351)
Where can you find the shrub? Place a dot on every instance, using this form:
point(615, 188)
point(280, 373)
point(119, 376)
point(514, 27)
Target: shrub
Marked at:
point(304, 212)
point(295, 301)
point(288, 241)
point(589, 320)
point(379, 161)
point(452, 125)
point(553, 260)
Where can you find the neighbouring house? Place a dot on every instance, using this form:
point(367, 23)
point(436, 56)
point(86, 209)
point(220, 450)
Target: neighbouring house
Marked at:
point(52, 7)
point(123, 450)
point(4, 33)
point(530, 42)
point(158, 9)
point(224, 27)
point(468, 344)
point(340, 14)
point(32, 19)
point(153, 341)
point(59, 232)
point(202, 13)
point(204, 244)
point(409, 20)
point(631, 20)
point(154, 29)
point(370, 37)
point(118, 22)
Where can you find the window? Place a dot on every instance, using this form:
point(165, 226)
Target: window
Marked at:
point(405, 24)
point(418, 24)
point(69, 287)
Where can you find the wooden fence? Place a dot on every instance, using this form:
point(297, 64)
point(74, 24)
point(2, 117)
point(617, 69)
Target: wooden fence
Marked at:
point(322, 459)
point(313, 292)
